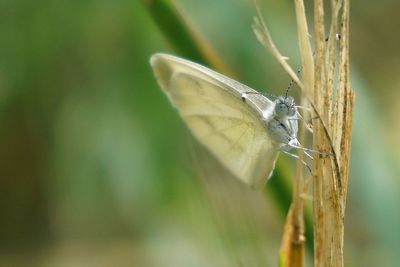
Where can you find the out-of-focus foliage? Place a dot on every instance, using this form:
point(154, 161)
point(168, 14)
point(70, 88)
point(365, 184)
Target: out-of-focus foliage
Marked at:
point(96, 167)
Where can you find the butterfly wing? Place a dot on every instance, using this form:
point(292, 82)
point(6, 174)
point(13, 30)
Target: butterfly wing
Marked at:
point(211, 105)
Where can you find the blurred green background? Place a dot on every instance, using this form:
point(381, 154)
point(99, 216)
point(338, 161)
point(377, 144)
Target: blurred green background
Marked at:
point(96, 168)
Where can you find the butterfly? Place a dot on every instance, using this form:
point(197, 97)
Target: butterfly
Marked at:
point(241, 127)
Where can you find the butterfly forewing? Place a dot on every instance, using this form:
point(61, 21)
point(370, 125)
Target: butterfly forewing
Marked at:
point(165, 66)
point(212, 107)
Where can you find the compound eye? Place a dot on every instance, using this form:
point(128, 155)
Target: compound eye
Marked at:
point(281, 109)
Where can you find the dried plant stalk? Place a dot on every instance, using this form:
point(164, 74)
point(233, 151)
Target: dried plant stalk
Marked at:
point(332, 102)
point(330, 186)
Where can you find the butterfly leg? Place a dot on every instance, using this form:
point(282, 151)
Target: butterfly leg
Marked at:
point(296, 144)
point(307, 123)
point(304, 108)
point(298, 158)
point(289, 146)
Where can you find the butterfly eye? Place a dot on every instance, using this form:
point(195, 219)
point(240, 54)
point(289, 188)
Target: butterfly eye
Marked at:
point(281, 109)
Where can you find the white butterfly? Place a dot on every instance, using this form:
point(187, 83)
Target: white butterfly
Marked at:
point(242, 128)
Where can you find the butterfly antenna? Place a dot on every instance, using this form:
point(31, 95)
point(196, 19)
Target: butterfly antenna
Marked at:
point(290, 85)
point(337, 37)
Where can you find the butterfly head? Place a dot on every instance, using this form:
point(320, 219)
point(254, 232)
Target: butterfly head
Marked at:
point(285, 107)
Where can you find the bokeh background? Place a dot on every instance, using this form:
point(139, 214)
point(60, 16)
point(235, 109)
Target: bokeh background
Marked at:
point(96, 168)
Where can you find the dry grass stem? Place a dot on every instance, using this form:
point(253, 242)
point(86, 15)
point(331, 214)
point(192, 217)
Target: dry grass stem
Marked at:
point(335, 102)
point(326, 86)
point(262, 33)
